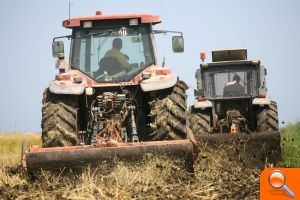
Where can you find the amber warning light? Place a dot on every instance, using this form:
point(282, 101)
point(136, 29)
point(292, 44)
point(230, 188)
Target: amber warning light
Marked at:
point(202, 56)
point(98, 12)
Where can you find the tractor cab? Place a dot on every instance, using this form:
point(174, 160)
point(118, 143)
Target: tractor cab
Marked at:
point(113, 48)
point(230, 76)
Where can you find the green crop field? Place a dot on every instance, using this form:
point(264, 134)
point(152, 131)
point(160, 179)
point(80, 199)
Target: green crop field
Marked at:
point(10, 146)
point(290, 144)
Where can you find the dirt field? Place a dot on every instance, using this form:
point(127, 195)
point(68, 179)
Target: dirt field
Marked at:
point(217, 176)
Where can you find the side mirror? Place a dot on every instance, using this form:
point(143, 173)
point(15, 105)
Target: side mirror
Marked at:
point(177, 44)
point(266, 72)
point(57, 48)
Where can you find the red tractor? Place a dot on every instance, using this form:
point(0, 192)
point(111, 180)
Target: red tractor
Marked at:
point(111, 98)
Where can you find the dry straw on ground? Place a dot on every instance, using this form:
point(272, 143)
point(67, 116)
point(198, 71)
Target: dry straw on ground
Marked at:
point(216, 177)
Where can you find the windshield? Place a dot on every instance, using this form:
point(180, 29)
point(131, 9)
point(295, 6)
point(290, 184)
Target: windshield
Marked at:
point(229, 83)
point(112, 54)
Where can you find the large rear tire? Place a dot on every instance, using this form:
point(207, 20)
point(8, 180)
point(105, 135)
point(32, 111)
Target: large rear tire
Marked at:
point(267, 118)
point(169, 114)
point(200, 121)
point(59, 120)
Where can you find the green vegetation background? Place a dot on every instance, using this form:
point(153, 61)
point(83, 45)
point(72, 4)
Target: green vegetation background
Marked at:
point(290, 144)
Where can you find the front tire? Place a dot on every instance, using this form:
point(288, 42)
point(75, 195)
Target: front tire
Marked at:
point(200, 121)
point(267, 118)
point(59, 120)
point(169, 113)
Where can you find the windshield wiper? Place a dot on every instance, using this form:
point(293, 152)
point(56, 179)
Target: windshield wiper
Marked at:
point(108, 32)
point(65, 36)
point(166, 31)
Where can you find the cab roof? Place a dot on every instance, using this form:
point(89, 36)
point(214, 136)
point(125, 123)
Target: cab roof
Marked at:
point(144, 19)
point(229, 57)
point(230, 63)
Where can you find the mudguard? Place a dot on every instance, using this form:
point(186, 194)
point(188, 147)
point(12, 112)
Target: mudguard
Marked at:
point(261, 101)
point(66, 87)
point(158, 82)
point(203, 104)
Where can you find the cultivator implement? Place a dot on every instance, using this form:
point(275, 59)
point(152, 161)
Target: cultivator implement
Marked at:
point(57, 158)
point(254, 150)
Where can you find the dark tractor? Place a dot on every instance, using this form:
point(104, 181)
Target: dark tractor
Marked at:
point(231, 102)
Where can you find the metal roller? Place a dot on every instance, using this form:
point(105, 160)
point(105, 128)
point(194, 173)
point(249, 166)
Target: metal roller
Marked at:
point(57, 158)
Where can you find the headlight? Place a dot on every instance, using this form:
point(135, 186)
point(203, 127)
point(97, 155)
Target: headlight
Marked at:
point(87, 24)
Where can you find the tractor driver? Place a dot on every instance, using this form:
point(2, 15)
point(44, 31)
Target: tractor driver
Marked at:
point(234, 88)
point(118, 55)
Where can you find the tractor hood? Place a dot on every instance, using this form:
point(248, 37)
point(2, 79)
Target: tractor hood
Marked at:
point(151, 79)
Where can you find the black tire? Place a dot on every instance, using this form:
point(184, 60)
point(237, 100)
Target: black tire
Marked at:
point(169, 113)
point(200, 121)
point(59, 120)
point(267, 118)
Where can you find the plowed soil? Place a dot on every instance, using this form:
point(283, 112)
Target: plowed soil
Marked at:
point(219, 174)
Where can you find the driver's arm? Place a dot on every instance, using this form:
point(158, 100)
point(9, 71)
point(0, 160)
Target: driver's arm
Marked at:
point(241, 90)
point(225, 91)
point(123, 61)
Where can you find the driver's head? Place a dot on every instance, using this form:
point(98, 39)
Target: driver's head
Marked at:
point(236, 78)
point(117, 43)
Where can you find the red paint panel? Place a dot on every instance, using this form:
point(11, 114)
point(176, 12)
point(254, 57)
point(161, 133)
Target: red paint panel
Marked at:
point(63, 77)
point(163, 72)
point(145, 19)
